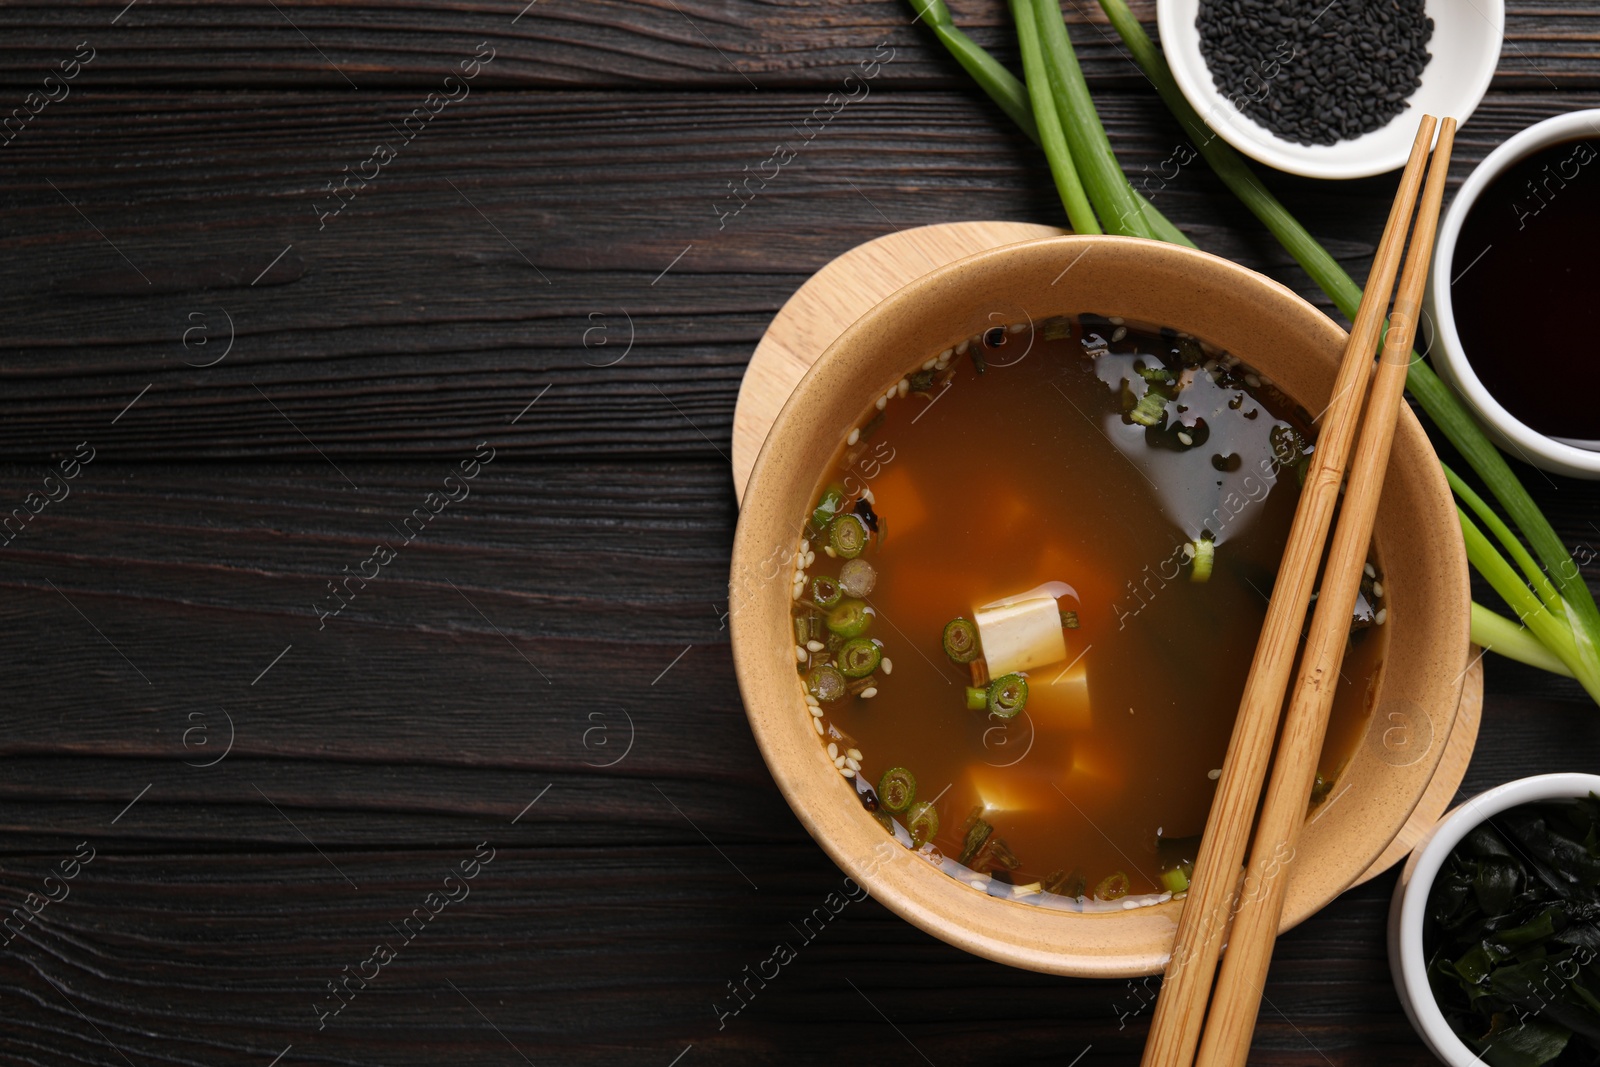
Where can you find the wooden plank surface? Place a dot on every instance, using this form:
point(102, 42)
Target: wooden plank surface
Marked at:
point(352, 45)
point(519, 243)
point(412, 727)
point(545, 666)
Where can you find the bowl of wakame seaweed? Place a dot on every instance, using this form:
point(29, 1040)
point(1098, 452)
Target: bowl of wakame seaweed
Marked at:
point(1494, 930)
point(1000, 569)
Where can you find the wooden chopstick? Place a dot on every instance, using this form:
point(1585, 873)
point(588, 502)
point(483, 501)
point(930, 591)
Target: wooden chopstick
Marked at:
point(1237, 1000)
point(1180, 1008)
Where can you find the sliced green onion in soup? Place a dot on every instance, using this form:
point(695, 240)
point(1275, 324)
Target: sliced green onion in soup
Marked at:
point(923, 823)
point(859, 657)
point(897, 789)
point(826, 682)
point(850, 618)
point(1151, 410)
point(857, 577)
point(1008, 695)
point(848, 536)
point(961, 640)
point(830, 504)
point(825, 591)
point(1113, 887)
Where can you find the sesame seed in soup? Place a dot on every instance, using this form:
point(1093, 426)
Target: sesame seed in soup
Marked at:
point(1065, 533)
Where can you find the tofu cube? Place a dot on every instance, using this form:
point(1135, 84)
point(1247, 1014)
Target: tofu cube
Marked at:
point(1021, 636)
point(1092, 772)
point(1000, 791)
point(1058, 698)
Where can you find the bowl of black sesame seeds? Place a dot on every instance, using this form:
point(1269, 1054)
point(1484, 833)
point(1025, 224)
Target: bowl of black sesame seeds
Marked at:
point(1330, 88)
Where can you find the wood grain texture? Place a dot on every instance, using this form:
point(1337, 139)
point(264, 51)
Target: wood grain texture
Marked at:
point(415, 324)
point(254, 940)
point(607, 925)
point(731, 44)
point(419, 321)
point(748, 45)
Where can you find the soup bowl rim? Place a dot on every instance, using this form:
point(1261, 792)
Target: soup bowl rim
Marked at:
point(911, 887)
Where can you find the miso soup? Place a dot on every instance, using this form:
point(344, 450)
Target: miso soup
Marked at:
point(1028, 595)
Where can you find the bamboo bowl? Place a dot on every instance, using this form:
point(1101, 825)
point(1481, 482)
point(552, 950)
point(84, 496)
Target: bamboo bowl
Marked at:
point(1266, 325)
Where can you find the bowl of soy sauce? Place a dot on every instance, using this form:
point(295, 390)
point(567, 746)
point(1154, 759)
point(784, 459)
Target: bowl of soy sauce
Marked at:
point(1515, 275)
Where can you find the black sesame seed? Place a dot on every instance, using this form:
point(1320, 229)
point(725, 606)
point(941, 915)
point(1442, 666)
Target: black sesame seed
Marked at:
point(1316, 71)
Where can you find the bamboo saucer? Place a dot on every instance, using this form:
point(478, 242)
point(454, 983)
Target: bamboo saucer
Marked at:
point(846, 287)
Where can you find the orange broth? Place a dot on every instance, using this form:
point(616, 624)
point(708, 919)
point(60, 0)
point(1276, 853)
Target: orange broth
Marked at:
point(989, 485)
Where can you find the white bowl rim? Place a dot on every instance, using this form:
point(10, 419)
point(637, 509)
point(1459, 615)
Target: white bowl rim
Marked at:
point(1343, 160)
point(1514, 149)
point(1417, 882)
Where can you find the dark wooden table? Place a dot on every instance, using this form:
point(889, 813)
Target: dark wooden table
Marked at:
point(534, 271)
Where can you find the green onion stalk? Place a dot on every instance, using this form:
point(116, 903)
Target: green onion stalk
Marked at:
point(1559, 628)
point(1107, 186)
point(1051, 136)
point(1571, 620)
point(1013, 98)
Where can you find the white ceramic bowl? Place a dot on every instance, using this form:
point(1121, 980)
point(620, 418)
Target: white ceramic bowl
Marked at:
point(1509, 432)
point(1410, 903)
point(1465, 49)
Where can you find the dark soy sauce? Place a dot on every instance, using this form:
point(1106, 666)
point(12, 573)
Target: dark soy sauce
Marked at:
point(1525, 271)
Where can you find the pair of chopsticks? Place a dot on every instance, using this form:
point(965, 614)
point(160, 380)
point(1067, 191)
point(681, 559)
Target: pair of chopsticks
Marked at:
point(1217, 892)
